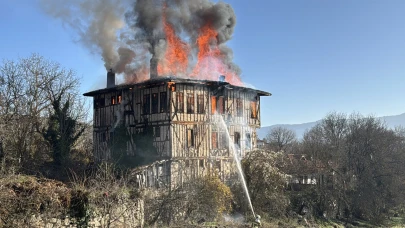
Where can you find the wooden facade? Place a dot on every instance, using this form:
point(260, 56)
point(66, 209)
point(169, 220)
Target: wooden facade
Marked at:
point(173, 127)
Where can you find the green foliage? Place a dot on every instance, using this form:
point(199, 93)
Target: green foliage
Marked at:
point(79, 207)
point(63, 130)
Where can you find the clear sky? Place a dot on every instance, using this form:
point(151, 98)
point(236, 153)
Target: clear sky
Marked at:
point(314, 56)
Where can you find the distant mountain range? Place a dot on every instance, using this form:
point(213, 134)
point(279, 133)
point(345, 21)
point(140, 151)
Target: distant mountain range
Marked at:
point(299, 129)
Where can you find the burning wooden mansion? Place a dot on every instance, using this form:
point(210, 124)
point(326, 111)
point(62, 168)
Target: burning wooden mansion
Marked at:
point(175, 129)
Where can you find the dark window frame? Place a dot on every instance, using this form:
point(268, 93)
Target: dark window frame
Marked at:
point(99, 102)
point(224, 140)
point(239, 107)
point(156, 131)
point(200, 104)
point(253, 110)
point(214, 140)
point(163, 102)
point(236, 138)
point(146, 104)
point(180, 102)
point(248, 141)
point(221, 105)
point(213, 104)
point(155, 103)
point(190, 138)
point(190, 103)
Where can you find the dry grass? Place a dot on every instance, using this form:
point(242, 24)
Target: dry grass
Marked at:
point(22, 196)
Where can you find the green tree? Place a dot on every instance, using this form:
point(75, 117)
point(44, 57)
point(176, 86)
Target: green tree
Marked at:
point(63, 130)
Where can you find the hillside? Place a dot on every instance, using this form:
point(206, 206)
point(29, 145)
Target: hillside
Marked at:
point(299, 129)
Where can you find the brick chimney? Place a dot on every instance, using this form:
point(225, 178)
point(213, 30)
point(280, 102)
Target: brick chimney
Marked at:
point(153, 67)
point(110, 79)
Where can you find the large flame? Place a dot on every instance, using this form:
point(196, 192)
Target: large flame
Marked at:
point(210, 59)
point(175, 60)
point(210, 62)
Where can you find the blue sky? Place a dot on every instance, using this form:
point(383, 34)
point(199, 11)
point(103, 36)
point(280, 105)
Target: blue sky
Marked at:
point(314, 56)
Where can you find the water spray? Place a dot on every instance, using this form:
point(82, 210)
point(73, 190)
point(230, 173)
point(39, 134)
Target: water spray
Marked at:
point(238, 165)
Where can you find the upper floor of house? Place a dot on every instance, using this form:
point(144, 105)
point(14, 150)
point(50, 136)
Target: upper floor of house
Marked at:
point(176, 100)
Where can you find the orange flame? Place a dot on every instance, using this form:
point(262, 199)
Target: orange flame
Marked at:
point(140, 75)
point(210, 60)
point(175, 61)
point(210, 63)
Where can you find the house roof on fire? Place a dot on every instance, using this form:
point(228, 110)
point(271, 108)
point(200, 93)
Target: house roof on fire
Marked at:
point(161, 80)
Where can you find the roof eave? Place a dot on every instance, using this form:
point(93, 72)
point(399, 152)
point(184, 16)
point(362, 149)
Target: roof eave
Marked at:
point(169, 79)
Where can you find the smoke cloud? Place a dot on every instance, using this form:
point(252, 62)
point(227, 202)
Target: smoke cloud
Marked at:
point(131, 39)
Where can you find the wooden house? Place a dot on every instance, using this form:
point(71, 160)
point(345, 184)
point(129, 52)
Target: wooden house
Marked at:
point(173, 128)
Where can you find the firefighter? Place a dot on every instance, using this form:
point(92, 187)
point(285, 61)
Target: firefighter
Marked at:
point(257, 222)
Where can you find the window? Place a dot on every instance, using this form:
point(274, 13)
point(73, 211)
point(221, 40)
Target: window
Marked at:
point(236, 139)
point(214, 139)
point(111, 137)
point(163, 102)
point(146, 104)
point(201, 163)
point(253, 109)
point(180, 102)
point(221, 105)
point(155, 103)
point(200, 104)
point(113, 102)
point(224, 140)
point(248, 143)
point(213, 104)
point(172, 86)
point(239, 107)
point(190, 138)
point(156, 131)
point(190, 103)
point(99, 102)
point(218, 165)
point(119, 99)
point(160, 170)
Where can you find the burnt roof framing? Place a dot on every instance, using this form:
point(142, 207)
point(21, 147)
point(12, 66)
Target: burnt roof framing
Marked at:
point(159, 81)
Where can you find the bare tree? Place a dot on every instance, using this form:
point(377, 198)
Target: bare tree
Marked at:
point(281, 138)
point(374, 167)
point(362, 161)
point(266, 182)
point(198, 200)
point(28, 88)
